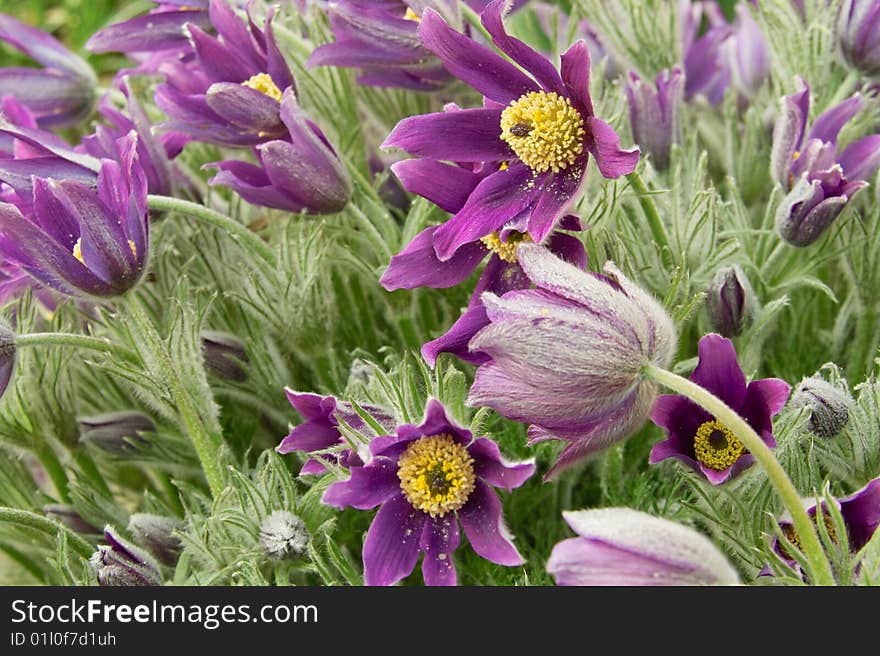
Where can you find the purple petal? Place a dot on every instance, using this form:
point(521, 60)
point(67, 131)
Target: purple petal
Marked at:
point(718, 370)
point(367, 487)
point(445, 185)
point(569, 248)
point(456, 339)
point(467, 135)
point(417, 265)
point(148, 33)
point(220, 62)
point(605, 147)
point(575, 68)
point(861, 513)
point(391, 548)
point(860, 159)
point(43, 48)
point(828, 124)
point(246, 108)
point(439, 539)
point(555, 193)
point(483, 523)
point(788, 132)
point(764, 398)
point(536, 64)
point(473, 63)
point(490, 465)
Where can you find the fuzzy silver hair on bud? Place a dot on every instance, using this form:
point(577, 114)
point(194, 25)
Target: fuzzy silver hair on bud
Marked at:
point(284, 535)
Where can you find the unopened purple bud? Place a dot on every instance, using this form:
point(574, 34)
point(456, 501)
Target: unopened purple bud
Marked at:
point(284, 535)
point(120, 563)
point(813, 204)
point(224, 354)
point(858, 29)
point(730, 301)
point(653, 113)
point(828, 406)
point(157, 534)
point(622, 546)
point(68, 516)
point(119, 433)
point(7, 355)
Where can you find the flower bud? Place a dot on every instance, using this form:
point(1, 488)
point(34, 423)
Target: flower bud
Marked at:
point(653, 113)
point(827, 405)
point(122, 564)
point(730, 301)
point(224, 354)
point(284, 535)
point(156, 534)
point(68, 516)
point(119, 433)
point(622, 546)
point(7, 355)
point(858, 29)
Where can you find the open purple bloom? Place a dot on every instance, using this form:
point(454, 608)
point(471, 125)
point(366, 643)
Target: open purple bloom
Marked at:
point(428, 479)
point(698, 439)
point(861, 517)
point(228, 91)
point(622, 546)
point(320, 430)
point(60, 94)
point(567, 356)
point(820, 181)
point(653, 113)
point(300, 171)
point(545, 159)
point(77, 232)
point(858, 28)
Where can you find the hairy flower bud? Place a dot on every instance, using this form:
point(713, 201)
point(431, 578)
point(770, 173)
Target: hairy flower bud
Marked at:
point(68, 516)
point(653, 113)
point(119, 433)
point(284, 535)
point(156, 533)
point(730, 301)
point(622, 546)
point(122, 564)
point(858, 29)
point(224, 354)
point(827, 404)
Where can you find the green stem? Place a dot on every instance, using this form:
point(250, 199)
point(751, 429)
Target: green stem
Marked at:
point(205, 433)
point(655, 224)
point(32, 520)
point(211, 217)
point(820, 572)
point(99, 344)
point(55, 470)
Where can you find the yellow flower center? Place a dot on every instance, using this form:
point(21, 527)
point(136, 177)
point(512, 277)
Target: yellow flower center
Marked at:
point(716, 447)
point(264, 84)
point(436, 474)
point(411, 15)
point(544, 130)
point(789, 532)
point(506, 250)
point(77, 250)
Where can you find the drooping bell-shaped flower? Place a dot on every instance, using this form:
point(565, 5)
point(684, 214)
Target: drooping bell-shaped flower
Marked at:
point(653, 113)
point(730, 301)
point(120, 563)
point(858, 30)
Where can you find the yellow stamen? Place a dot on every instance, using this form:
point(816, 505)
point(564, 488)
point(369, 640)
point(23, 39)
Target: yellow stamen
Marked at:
point(77, 249)
point(796, 155)
point(789, 532)
point(716, 447)
point(503, 166)
point(506, 250)
point(544, 130)
point(264, 84)
point(411, 15)
point(436, 474)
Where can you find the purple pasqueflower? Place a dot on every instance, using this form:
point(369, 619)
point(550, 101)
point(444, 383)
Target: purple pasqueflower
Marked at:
point(858, 29)
point(75, 231)
point(567, 356)
point(653, 113)
point(819, 180)
point(622, 546)
point(60, 94)
point(545, 158)
point(861, 517)
point(696, 437)
point(155, 152)
point(730, 301)
point(120, 563)
point(228, 90)
point(297, 172)
point(320, 430)
point(427, 479)
point(162, 28)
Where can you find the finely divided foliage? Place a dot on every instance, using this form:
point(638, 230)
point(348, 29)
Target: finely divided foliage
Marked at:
point(438, 292)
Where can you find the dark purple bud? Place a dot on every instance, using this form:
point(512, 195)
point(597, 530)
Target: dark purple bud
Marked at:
point(119, 433)
point(858, 29)
point(730, 301)
point(157, 534)
point(284, 535)
point(653, 113)
point(68, 516)
point(120, 563)
point(7, 356)
point(828, 406)
point(224, 354)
